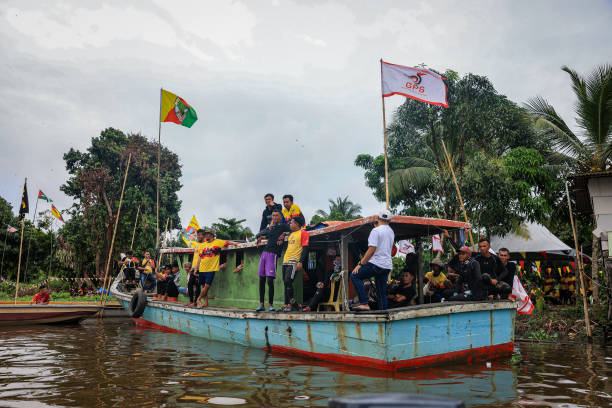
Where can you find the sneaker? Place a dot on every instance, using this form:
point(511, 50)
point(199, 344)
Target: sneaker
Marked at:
point(260, 308)
point(271, 309)
point(286, 309)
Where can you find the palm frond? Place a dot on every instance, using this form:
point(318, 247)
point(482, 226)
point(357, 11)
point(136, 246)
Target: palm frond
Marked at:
point(416, 177)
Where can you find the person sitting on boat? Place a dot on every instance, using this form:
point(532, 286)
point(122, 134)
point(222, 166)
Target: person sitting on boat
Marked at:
point(490, 268)
point(42, 297)
point(376, 262)
point(436, 282)
point(508, 270)
point(323, 286)
point(266, 216)
point(172, 283)
point(403, 294)
point(469, 278)
point(160, 278)
point(146, 271)
point(291, 210)
point(129, 263)
point(274, 234)
point(296, 255)
point(208, 262)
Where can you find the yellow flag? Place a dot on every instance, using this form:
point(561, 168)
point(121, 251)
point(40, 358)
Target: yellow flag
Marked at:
point(538, 266)
point(56, 213)
point(189, 235)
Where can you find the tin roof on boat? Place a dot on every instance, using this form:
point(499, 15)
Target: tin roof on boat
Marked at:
point(405, 227)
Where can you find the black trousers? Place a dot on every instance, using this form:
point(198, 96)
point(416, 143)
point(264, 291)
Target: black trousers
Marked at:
point(262, 289)
point(321, 295)
point(289, 272)
point(193, 287)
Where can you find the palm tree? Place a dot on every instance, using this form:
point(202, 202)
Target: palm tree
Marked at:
point(591, 150)
point(231, 228)
point(342, 209)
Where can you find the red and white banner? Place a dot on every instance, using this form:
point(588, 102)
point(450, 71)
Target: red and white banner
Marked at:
point(436, 243)
point(415, 83)
point(405, 247)
point(518, 292)
point(10, 229)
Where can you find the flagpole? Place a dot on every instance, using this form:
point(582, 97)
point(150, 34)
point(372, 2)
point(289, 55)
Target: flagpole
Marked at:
point(25, 272)
point(51, 257)
point(110, 250)
point(384, 136)
point(158, 166)
point(450, 165)
point(134, 231)
point(3, 251)
point(20, 243)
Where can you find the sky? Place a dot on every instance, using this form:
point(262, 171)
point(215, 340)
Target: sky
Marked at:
point(287, 92)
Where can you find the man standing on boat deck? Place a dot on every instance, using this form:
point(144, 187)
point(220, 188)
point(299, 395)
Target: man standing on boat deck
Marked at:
point(193, 283)
point(267, 263)
point(266, 216)
point(208, 262)
point(296, 256)
point(291, 210)
point(376, 262)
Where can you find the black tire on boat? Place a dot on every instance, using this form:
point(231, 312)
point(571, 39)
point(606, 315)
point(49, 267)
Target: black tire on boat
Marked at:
point(138, 304)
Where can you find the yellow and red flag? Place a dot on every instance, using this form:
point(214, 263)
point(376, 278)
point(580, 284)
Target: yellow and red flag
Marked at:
point(175, 109)
point(56, 213)
point(189, 235)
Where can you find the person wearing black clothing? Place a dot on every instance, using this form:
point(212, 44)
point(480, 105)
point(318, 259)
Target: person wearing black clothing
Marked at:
point(172, 280)
point(508, 270)
point(323, 286)
point(490, 268)
point(468, 273)
point(193, 284)
point(266, 216)
point(404, 293)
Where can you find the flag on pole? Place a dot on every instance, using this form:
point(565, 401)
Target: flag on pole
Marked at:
point(415, 83)
point(524, 302)
point(175, 109)
point(24, 208)
point(42, 196)
point(436, 243)
point(10, 229)
point(56, 213)
point(190, 233)
point(405, 247)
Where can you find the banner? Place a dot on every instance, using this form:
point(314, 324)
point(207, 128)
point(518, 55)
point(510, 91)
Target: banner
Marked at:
point(415, 83)
point(518, 292)
point(436, 243)
point(190, 233)
point(405, 247)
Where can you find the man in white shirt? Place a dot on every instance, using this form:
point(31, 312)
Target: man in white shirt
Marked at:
point(376, 262)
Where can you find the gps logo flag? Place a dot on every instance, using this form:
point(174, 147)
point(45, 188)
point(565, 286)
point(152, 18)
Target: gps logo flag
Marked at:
point(415, 83)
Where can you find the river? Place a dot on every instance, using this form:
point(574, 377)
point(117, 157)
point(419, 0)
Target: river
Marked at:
point(115, 363)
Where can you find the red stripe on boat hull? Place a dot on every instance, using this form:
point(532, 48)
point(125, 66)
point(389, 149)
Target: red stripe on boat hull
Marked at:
point(481, 353)
point(145, 323)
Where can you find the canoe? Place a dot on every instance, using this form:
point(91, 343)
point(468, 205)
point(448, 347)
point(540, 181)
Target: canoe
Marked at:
point(22, 313)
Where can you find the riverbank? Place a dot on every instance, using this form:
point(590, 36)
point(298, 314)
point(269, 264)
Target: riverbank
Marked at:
point(560, 323)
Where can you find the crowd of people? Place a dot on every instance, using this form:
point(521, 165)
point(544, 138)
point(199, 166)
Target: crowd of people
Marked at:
point(465, 277)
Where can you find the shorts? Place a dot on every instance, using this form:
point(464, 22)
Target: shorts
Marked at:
point(161, 287)
point(206, 278)
point(267, 264)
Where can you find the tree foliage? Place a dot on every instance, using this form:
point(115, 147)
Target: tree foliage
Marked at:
point(232, 229)
point(341, 209)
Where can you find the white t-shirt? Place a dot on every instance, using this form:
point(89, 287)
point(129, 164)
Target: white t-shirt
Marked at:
point(382, 238)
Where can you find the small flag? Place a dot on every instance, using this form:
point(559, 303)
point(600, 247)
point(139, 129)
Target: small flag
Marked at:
point(42, 196)
point(56, 213)
point(405, 247)
point(190, 233)
point(175, 109)
point(24, 208)
point(436, 243)
point(10, 229)
point(415, 83)
point(518, 292)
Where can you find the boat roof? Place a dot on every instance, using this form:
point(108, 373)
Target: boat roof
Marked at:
point(405, 227)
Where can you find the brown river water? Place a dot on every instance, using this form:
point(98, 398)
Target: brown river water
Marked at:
point(114, 363)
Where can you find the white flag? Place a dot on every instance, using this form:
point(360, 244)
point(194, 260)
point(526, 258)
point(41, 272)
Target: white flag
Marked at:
point(436, 243)
point(405, 247)
point(416, 83)
point(525, 306)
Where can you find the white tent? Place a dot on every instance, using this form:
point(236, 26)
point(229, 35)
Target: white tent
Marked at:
point(539, 239)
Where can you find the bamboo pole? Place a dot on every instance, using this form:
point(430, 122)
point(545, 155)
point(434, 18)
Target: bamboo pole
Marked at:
point(161, 90)
point(160, 254)
point(384, 137)
point(110, 250)
point(450, 165)
point(25, 273)
point(3, 251)
point(51, 256)
point(585, 306)
point(134, 231)
point(19, 263)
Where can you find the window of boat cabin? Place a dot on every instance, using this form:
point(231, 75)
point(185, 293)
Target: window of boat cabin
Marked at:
point(239, 258)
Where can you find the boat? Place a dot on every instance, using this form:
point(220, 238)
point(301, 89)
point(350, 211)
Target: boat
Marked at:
point(395, 339)
point(23, 313)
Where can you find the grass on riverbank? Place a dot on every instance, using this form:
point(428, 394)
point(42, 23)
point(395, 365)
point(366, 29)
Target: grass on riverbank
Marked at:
point(55, 297)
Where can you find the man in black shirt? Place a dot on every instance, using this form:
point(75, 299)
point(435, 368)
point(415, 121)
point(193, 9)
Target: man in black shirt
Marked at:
point(266, 216)
point(508, 269)
point(468, 277)
point(490, 267)
point(404, 293)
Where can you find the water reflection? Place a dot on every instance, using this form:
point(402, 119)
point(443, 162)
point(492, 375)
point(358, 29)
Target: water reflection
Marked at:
point(118, 364)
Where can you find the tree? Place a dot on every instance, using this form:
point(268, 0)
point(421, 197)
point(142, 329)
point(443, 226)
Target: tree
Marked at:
point(591, 149)
point(342, 209)
point(95, 181)
point(232, 229)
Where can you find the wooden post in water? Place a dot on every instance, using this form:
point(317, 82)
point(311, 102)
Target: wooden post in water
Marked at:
point(110, 250)
point(585, 306)
point(134, 231)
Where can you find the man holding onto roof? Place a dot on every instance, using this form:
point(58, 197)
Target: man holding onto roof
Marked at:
point(376, 262)
point(275, 235)
point(291, 210)
point(208, 262)
point(296, 256)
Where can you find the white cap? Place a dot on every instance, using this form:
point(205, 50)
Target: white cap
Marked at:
point(385, 215)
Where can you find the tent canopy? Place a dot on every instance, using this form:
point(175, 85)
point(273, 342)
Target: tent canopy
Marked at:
point(539, 240)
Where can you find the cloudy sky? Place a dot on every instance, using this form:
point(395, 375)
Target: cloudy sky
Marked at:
point(287, 92)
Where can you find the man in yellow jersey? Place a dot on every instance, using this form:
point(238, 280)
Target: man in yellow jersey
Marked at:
point(208, 262)
point(291, 210)
point(193, 284)
point(146, 271)
point(436, 282)
point(296, 255)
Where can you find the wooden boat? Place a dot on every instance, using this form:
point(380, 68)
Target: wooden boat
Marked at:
point(412, 336)
point(23, 313)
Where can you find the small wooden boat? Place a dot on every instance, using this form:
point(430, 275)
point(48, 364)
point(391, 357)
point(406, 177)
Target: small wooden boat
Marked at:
point(22, 313)
point(412, 336)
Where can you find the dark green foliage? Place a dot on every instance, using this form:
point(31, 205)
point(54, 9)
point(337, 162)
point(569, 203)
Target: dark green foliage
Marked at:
point(232, 229)
point(342, 209)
